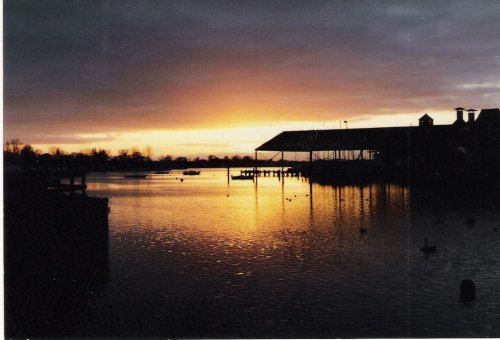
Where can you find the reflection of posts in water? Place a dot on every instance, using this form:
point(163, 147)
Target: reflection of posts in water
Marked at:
point(256, 192)
point(311, 200)
point(228, 176)
point(282, 161)
point(403, 196)
point(311, 193)
point(310, 163)
point(282, 195)
point(384, 197)
point(370, 198)
point(255, 170)
point(361, 199)
point(388, 188)
point(339, 200)
point(84, 184)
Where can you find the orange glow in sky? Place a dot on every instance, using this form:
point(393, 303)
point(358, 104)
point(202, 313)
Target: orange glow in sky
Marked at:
point(225, 141)
point(200, 78)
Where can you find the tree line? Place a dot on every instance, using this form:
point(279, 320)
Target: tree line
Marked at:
point(18, 154)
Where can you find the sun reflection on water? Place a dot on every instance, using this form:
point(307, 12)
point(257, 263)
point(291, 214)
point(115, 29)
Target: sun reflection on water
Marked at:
point(281, 258)
point(271, 211)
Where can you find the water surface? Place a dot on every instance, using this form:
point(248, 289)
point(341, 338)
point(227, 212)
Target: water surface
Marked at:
point(285, 258)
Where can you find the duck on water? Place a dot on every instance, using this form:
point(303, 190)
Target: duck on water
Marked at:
point(428, 249)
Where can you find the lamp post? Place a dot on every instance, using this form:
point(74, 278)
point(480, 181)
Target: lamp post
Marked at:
point(345, 121)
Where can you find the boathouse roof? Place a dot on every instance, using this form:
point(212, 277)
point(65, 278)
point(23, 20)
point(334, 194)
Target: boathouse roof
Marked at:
point(376, 138)
point(347, 139)
point(489, 116)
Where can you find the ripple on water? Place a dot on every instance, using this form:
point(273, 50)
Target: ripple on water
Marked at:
point(198, 263)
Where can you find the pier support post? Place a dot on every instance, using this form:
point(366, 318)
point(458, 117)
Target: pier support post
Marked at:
point(310, 163)
point(282, 160)
point(71, 183)
point(255, 168)
point(83, 182)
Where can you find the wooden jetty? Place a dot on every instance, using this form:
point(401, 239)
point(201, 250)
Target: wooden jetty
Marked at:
point(271, 173)
point(37, 203)
point(56, 242)
point(52, 179)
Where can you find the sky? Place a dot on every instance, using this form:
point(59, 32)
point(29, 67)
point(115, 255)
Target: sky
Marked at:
point(193, 78)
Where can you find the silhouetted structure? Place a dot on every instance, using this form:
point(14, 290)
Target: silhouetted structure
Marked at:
point(425, 120)
point(56, 244)
point(460, 151)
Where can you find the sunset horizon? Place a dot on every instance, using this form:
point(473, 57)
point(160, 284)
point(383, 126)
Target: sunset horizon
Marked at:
point(225, 169)
point(193, 79)
point(221, 142)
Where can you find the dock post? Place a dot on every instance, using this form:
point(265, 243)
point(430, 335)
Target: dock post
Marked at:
point(255, 168)
point(72, 183)
point(57, 182)
point(83, 182)
point(282, 160)
point(310, 163)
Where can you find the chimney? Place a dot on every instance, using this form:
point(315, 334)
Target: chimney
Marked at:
point(460, 114)
point(472, 114)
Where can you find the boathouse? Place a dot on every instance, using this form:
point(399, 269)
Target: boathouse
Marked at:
point(427, 148)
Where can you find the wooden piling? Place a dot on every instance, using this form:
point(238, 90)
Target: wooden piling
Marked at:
point(84, 186)
point(72, 183)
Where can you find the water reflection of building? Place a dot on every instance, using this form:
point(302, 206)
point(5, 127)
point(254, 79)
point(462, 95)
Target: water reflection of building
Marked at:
point(427, 151)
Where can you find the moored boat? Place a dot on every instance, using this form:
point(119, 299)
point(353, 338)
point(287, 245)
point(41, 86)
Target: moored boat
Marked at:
point(136, 176)
point(191, 172)
point(241, 177)
point(161, 172)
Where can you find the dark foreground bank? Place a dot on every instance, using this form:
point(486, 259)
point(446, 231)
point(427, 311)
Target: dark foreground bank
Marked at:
point(55, 251)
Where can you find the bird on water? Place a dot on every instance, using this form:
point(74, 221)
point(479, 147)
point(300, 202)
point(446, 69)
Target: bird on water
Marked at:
point(428, 249)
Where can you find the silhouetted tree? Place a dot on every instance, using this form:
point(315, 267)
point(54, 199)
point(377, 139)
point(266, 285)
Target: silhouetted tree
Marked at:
point(27, 156)
point(11, 150)
point(181, 162)
point(17, 153)
point(96, 159)
point(13, 146)
point(148, 152)
point(167, 158)
point(81, 160)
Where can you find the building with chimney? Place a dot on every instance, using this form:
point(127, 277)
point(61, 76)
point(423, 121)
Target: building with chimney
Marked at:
point(457, 149)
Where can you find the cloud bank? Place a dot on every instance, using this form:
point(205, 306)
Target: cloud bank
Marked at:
point(76, 67)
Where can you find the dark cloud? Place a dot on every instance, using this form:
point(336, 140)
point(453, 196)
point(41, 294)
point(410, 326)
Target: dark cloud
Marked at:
point(91, 66)
point(67, 138)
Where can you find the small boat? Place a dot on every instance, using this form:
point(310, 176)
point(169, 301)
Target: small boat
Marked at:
point(136, 176)
point(162, 172)
point(241, 177)
point(191, 173)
